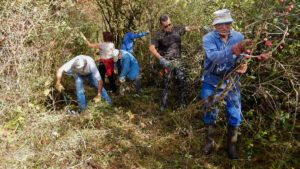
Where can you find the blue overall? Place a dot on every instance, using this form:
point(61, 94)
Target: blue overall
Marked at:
point(218, 62)
point(130, 66)
point(127, 43)
point(79, 89)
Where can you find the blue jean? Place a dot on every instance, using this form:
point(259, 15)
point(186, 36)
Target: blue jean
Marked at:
point(133, 72)
point(233, 105)
point(79, 89)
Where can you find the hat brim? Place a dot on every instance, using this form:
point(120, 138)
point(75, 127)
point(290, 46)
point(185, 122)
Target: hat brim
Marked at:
point(133, 30)
point(222, 21)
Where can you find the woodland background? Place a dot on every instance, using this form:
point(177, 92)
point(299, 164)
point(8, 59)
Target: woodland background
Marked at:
point(37, 37)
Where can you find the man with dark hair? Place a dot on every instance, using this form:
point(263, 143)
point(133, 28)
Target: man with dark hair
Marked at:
point(163, 18)
point(223, 48)
point(166, 46)
point(127, 43)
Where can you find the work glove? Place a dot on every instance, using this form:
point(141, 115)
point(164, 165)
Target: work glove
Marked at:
point(164, 62)
point(241, 47)
point(59, 87)
point(97, 98)
point(242, 68)
point(122, 80)
point(122, 87)
point(116, 71)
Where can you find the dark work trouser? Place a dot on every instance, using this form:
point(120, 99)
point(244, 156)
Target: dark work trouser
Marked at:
point(175, 69)
point(111, 78)
point(138, 85)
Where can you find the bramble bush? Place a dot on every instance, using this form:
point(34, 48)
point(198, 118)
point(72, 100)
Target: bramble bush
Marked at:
point(36, 37)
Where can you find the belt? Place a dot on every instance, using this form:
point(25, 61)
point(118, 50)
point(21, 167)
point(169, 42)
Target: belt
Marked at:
point(215, 74)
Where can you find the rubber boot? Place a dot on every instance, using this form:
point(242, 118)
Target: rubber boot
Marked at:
point(232, 134)
point(112, 84)
point(122, 89)
point(102, 71)
point(182, 101)
point(138, 85)
point(210, 142)
point(164, 98)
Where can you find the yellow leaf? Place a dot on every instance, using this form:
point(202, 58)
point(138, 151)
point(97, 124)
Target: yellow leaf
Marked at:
point(130, 115)
point(19, 108)
point(47, 83)
point(30, 105)
point(46, 92)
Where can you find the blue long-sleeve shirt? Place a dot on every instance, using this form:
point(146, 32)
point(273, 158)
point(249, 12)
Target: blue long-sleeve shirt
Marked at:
point(129, 64)
point(127, 43)
point(219, 58)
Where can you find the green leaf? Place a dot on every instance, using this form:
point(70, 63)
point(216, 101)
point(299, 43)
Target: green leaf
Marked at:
point(30, 105)
point(272, 138)
point(257, 136)
point(47, 83)
point(250, 113)
point(252, 77)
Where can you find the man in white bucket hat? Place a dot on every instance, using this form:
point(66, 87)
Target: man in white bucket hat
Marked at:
point(223, 48)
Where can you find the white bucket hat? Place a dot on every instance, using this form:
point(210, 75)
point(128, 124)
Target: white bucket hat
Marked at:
point(115, 54)
point(78, 65)
point(222, 16)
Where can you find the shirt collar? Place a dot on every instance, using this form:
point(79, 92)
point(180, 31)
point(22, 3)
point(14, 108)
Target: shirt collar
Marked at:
point(166, 32)
point(218, 36)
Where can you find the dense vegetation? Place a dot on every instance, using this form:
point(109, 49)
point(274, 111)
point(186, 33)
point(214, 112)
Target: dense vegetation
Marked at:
point(37, 37)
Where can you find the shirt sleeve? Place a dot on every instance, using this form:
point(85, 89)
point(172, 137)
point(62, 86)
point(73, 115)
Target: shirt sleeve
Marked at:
point(125, 66)
point(180, 30)
point(154, 41)
point(138, 35)
point(95, 71)
point(214, 54)
point(67, 66)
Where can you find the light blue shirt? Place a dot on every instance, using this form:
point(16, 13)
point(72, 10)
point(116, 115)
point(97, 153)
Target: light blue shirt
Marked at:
point(219, 59)
point(127, 43)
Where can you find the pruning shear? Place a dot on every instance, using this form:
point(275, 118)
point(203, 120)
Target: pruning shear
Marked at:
point(73, 112)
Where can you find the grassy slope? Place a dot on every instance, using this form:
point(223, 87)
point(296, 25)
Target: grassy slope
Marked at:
point(131, 133)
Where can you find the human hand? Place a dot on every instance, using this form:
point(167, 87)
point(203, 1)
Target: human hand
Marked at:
point(165, 63)
point(97, 98)
point(242, 68)
point(207, 29)
point(242, 46)
point(59, 87)
point(246, 44)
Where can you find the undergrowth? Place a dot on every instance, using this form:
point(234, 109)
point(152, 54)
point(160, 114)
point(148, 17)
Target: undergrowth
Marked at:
point(36, 37)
